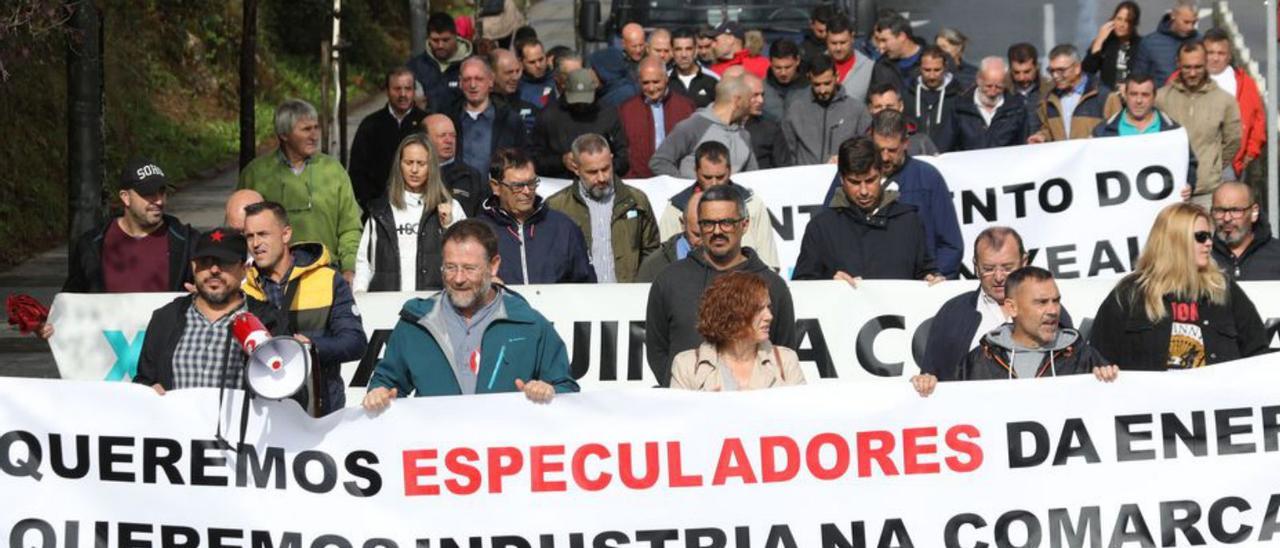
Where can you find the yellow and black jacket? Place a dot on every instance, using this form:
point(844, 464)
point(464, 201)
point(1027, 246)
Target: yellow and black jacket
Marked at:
point(318, 304)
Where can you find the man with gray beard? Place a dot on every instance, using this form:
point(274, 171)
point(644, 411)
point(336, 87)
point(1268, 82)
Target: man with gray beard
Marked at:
point(1242, 242)
point(475, 337)
point(616, 218)
point(188, 342)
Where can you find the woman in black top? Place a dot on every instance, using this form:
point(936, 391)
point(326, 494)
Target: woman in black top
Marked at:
point(1177, 310)
point(1113, 48)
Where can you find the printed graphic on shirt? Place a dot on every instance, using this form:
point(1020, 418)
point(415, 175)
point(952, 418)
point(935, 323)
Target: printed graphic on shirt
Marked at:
point(1186, 340)
point(407, 229)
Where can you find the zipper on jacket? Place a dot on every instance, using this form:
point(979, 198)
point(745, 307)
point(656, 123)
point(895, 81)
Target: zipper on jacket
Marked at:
point(524, 258)
point(502, 352)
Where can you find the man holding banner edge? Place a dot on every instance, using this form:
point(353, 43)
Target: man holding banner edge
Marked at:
point(1034, 344)
point(475, 337)
point(962, 321)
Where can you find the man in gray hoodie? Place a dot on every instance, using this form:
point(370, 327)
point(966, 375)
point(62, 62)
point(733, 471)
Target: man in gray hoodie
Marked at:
point(1034, 344)
point(721, 121)
point(816, 125)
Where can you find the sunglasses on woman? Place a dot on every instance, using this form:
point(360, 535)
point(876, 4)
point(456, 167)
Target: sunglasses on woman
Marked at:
point(1203, 236)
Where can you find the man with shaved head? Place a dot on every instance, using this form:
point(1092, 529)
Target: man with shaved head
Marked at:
point(722, 121)
point(767, 143)
point(236, 204)
point(648, 118)
point(483, 125)
point(467, 185)
point(616, 67)
point(991, 116)
point(1242, 242)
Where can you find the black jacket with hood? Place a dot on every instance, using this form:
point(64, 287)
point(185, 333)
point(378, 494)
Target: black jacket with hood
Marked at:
point(1260, 260)
point(994, 358)
point(934, 109)
point(84, 273)
point(888, 244)
point(671, 317)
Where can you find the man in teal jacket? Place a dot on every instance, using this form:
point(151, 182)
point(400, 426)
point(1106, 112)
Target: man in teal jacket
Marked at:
point(313, 187)
point(475, 337)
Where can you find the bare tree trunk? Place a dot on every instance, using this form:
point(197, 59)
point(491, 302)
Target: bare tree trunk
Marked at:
point(326, 129)
point(248, 83)
point(342, 107)
point(418, 12)
point(340, 74)
point(85, 141)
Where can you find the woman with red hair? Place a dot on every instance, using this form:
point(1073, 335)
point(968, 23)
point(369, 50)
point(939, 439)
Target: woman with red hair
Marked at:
point(735, 354)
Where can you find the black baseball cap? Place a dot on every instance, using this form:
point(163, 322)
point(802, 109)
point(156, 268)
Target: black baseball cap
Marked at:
point(223, 243)
point(730, 27)
point(143, 176)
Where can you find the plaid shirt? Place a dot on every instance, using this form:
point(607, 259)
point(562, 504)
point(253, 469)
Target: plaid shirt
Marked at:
point(204, 348)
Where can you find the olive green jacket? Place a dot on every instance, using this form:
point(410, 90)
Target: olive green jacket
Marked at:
point(320, 202)
point(635, 228)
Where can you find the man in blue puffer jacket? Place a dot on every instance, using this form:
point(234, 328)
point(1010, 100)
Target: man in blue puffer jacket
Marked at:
point(1157, 54)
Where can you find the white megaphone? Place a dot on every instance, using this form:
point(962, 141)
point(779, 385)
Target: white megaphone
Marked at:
point(278, 366)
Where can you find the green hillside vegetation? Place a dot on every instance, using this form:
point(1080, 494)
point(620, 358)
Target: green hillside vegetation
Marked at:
point(171, 90)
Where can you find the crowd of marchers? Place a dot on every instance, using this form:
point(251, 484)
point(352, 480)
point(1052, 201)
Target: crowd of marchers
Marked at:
point(440, 196)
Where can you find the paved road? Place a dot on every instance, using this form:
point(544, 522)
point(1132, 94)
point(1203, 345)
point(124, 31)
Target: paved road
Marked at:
point(197, 202)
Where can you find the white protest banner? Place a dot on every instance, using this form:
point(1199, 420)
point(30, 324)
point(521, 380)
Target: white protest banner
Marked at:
point(1170, 458)
point(876, 330)
point(1083, 207)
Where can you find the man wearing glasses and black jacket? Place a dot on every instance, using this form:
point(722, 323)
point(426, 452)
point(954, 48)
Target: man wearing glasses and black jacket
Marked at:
point(537, 244)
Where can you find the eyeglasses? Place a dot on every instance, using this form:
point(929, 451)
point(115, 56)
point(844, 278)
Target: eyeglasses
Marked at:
point(1203, 236)
point(521, 186)
point(988, 270)
point(726, 225)
point(1230, 212)
point(453, 269)
point(1061, 70)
